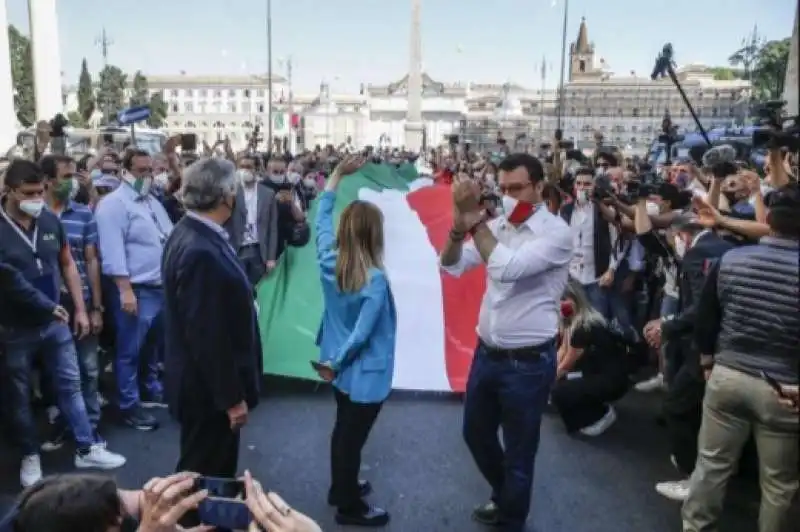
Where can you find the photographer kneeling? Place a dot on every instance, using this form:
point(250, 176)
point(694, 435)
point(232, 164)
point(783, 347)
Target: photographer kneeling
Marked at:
point(592, 370)
point(692, 254)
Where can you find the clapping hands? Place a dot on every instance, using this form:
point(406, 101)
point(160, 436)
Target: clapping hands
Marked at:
point(466, 202)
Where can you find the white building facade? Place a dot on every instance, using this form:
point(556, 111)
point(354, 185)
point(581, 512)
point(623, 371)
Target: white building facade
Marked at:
point(627, 110)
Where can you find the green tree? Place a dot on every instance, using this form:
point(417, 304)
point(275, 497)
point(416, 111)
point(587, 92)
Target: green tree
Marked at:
point(111, 92)
point(22, 76)
point(726, 73)
point(139, 93)
point(747, 54)
point(86, 97)
point(158, 110)
point(75, 119)
point(769, 69)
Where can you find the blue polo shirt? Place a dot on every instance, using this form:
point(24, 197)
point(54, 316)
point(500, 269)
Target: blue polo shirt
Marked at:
point(81, 229)
point(50, 240)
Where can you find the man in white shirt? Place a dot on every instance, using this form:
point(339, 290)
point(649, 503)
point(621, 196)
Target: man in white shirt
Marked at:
point(527, 253)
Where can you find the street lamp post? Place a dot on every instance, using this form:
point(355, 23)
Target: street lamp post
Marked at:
point(563, 66)
point(269, 75)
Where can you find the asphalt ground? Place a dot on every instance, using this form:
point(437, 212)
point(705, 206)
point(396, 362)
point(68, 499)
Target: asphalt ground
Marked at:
point(421, 470)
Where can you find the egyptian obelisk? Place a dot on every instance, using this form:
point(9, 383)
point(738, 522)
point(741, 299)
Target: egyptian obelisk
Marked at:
point(414, 125)
point(791, 86)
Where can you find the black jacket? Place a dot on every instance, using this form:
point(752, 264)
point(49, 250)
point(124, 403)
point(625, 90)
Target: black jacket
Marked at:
point(213, 348)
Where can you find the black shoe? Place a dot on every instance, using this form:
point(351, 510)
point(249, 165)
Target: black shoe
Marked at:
point(372, 516)
point(487, 514)
point(58, 437)
point(139, 419)
point(155, 400)
point(364, 489)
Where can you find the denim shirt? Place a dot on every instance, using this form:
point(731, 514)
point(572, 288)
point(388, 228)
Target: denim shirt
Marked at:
point(358, 330)
point(132, 230)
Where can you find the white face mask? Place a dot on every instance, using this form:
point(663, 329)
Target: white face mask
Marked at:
point(652, 208)
point(294, 177)
point(162, 179)
point(490, 179)
point(680, 246)
point(508, 205)
point(246, 176)
point(583, 196)
point(277, 178)
point(32, 207)
point(309, 182)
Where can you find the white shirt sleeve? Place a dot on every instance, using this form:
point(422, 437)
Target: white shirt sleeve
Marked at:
point(469, 259)
point(553, 249)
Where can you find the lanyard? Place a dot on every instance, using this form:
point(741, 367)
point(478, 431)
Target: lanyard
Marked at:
point(32, 243)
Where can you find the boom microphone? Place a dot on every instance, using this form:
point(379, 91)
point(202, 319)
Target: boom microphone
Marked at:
point(721, 160)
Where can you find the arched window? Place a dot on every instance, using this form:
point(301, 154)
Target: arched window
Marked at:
point(582, 66)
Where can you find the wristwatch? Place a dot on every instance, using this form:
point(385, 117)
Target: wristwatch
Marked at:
point(98, 308)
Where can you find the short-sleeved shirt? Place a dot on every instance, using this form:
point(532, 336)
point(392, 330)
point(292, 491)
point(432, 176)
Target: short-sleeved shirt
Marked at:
point(50, 240)
point(81, 228)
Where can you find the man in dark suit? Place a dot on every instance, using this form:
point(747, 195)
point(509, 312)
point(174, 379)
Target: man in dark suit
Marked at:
point(212, 356)
point(697, 249)
point(253, 225)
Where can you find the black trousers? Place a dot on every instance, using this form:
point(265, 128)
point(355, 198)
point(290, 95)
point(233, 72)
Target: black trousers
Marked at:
point(683, 414)
point(584, 401)
point(209, 447)
point(353, 424)
point(254, 267)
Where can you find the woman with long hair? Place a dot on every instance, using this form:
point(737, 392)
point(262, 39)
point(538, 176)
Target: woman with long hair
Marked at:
point(592, 370)
point(356, 339)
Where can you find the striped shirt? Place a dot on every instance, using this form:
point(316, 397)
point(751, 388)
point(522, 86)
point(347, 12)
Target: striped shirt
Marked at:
point(81, 229)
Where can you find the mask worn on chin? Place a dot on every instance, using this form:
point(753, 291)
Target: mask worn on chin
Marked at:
point(246, 176)
point(32, 207)
point(64, 190)
point(567, 309)
point(517, 211)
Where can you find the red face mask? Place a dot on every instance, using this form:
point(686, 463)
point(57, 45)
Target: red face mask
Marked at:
point(567, 309)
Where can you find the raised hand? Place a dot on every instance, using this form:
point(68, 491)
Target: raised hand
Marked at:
point(707, 216)
point(349, 165)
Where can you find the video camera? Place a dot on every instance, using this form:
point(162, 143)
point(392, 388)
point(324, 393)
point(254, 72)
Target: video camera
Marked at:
point(773, 134)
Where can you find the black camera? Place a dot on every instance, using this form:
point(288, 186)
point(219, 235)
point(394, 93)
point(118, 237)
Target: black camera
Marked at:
point(773, 134)
point(646, 184)
point(602, 187)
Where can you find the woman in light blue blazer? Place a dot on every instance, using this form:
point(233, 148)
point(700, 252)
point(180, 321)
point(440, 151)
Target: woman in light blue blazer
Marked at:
point(356, 339)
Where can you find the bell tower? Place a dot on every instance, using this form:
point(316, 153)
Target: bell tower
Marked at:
point(581, 54)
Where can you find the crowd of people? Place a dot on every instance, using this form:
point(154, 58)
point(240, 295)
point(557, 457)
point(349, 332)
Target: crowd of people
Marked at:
point(597, 267)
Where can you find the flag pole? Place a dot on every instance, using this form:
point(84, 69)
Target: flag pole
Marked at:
point(563, 65)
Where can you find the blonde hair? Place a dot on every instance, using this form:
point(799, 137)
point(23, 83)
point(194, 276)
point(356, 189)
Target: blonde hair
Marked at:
point(584, 315)
point(359, 239)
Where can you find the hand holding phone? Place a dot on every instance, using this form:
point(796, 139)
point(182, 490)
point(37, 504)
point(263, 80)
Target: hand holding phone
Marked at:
point(225, 505)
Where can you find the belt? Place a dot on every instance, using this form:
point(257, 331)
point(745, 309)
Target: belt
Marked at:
point(146, 286)
point(530, 353)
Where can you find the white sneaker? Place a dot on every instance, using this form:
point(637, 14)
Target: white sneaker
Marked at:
point(676, 490)
point(596, 429)
point(30, 470)
point(653, 384)
point(99, 457)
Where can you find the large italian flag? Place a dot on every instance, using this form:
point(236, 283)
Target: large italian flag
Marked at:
point(437, 313)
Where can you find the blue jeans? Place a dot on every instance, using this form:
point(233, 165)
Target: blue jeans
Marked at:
point(54, 342)
point(140, 341)
point(598, 297)
point(511, 394)
point(88, 365)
